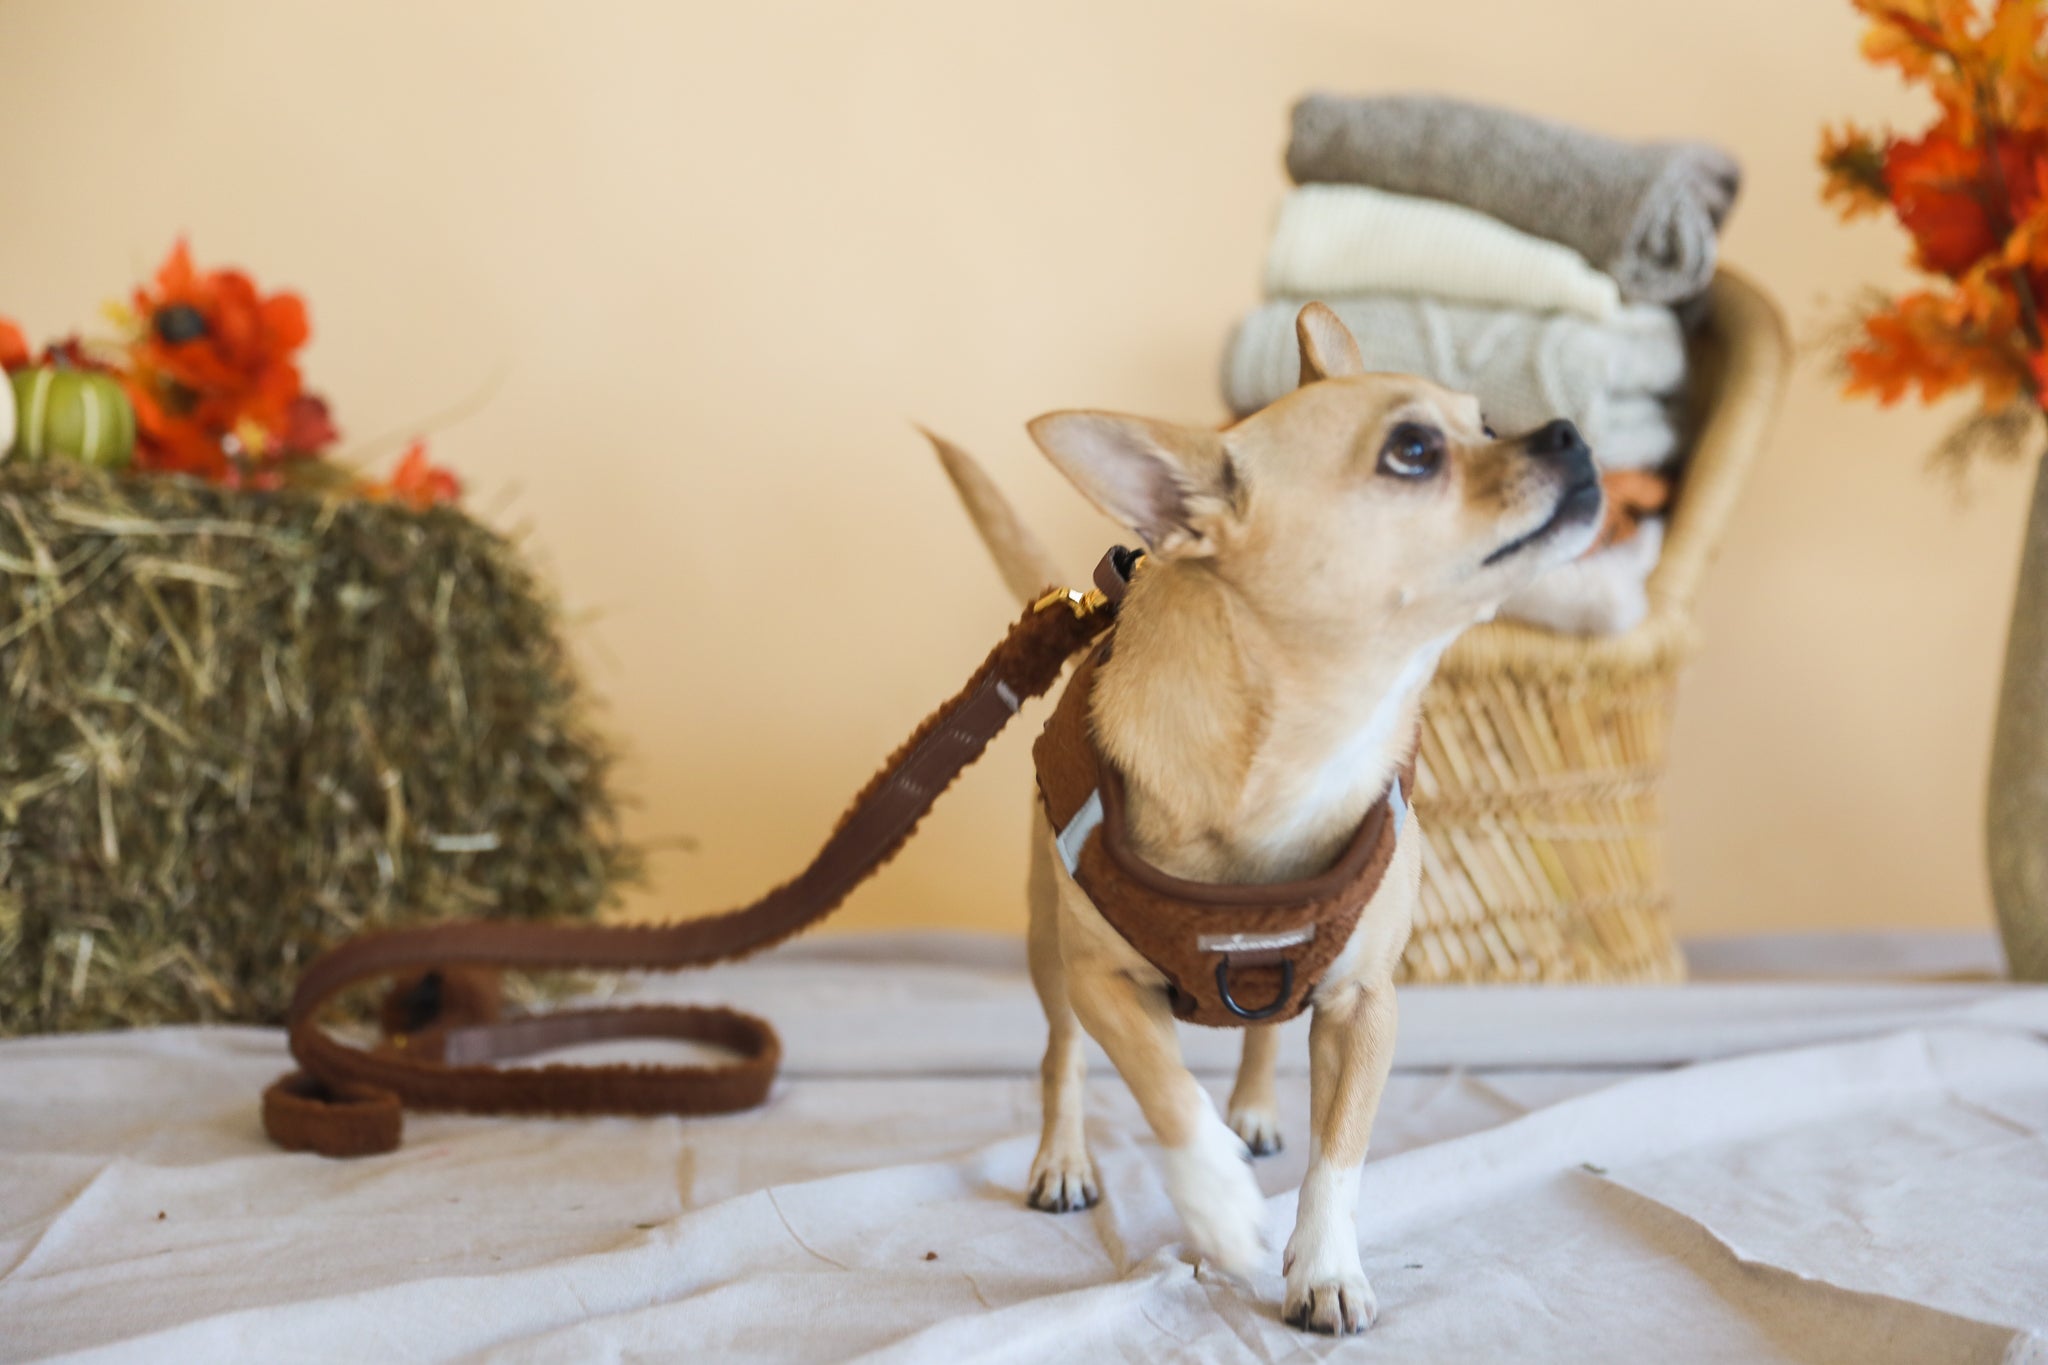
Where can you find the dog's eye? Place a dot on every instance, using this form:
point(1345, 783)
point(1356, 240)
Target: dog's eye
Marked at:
point(1491, 434)
point(1412, 451)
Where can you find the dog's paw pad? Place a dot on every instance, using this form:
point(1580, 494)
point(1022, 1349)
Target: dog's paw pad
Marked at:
point(1063, 1187)
point(1333, 1307)
point(1258, 1129)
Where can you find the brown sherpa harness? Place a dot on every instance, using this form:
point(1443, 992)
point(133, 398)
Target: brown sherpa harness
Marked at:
point(1231, 954)
point(443, 1039)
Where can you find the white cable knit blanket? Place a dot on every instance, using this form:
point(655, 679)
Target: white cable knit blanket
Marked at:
point(1349, 239)
point(1617, 380)
point(1605, 593)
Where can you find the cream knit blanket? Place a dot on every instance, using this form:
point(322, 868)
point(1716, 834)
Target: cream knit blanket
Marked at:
point(1348, 239)
point(1618, 380)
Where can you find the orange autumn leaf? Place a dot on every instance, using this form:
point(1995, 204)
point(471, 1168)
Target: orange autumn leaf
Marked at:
point(1913, 344)
point(1983, 303)
point(2010, 51)
point(1972, 193)
point(1924, 40)
point(1937, 184)
point(1974, 70)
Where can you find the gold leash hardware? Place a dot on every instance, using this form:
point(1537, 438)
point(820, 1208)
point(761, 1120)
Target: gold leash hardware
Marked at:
point(1083, 604)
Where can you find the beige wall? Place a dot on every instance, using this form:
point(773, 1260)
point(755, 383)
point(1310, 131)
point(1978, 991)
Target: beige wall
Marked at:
point(712, 260)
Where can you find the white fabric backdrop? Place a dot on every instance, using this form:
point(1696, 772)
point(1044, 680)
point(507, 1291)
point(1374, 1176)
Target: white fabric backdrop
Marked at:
point(1740, 1172)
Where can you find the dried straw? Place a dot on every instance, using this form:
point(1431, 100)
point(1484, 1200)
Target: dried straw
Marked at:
point(236, 727)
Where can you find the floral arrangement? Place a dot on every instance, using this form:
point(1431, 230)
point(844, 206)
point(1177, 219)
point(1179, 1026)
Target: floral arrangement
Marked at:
point(1972, 191)
point(200, 379)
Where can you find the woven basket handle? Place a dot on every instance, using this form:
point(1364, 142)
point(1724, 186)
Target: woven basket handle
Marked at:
point(1741, 377)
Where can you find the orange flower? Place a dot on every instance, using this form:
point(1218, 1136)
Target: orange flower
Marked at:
point(13, 346)
point(417, 482)
point(214, 371)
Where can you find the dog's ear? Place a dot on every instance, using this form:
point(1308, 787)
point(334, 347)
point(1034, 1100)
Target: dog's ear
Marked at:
point(1328, 350)
point(1173, 485)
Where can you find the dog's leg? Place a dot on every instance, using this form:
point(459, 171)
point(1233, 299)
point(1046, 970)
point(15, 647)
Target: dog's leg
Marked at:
point(1062, 1174)
point(1254, 1116)
point(1351, 1049)
point(1207, 1170)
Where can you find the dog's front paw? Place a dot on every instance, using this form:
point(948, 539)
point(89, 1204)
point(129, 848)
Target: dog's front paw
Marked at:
point(1326, 1286)
point(1219, 1201)
point(1063, 1181)
point(1336, 1306)
point(1258, 1128)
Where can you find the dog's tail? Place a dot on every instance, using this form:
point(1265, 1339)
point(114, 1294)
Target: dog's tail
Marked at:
point(1027, 568)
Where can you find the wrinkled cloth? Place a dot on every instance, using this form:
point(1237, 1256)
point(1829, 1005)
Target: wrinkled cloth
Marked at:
point(1618, 381)
point(1648, 214)
point(1333, 240)
point(1756, 1172)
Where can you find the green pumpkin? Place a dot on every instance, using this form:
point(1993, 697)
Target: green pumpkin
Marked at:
point(73, 415)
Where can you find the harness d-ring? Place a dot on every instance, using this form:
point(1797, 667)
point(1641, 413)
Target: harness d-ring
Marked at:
point(1267, 1012)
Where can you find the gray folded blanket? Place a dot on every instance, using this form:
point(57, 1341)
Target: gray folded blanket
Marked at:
point(1618, 380)
point(1646, 213)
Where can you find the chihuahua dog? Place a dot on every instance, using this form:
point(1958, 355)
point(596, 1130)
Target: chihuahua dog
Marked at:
point(1307, 568)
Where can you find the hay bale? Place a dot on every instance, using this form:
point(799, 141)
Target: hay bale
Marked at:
point(236, 727)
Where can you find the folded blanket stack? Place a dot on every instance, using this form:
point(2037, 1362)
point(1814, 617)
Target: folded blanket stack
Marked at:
point(1534, 265)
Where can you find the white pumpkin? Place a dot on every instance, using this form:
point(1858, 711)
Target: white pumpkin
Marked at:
point(6, 418)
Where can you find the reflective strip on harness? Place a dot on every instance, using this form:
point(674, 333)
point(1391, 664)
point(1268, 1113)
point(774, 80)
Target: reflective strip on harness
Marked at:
point(1078, 829)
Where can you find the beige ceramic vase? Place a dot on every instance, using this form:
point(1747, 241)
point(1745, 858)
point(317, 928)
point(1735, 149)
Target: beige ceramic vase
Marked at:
point(2016, 824)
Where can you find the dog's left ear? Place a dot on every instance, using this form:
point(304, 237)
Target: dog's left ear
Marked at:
point(1173, 485)
point(1328, 350)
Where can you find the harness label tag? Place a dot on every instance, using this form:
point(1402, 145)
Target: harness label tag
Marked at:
point(1255, 943)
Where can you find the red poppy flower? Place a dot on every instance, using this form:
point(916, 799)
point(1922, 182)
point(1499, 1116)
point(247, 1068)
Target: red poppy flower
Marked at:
point(168, 443)
point(218, 357)
point(14, 351)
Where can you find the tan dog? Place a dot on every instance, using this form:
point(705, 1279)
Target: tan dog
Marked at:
point(1307, 569)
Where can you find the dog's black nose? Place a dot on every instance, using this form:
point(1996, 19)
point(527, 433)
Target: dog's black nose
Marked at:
point(1555, 440)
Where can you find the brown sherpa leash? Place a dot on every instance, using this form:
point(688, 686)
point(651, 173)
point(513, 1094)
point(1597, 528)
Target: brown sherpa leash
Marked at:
point(443, 1039)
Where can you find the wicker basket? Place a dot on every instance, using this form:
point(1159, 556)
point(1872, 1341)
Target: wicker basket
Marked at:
point(1542, 758)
